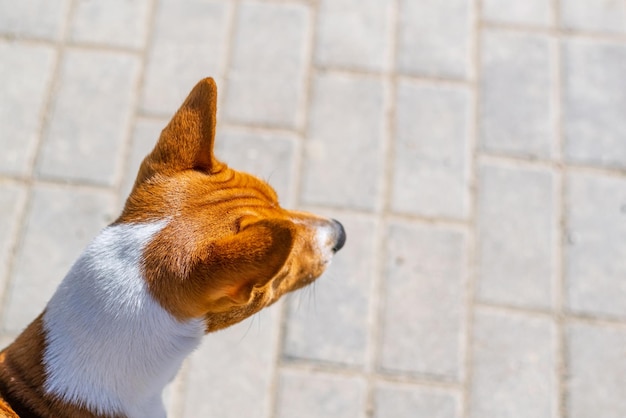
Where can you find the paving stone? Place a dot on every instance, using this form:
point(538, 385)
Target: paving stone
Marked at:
point(518, 233)
point(529, 12)
point(144, 138)
point(90, 116)
point(26, 72)
point(266, 78)
point(230, 375)
point(434, 38)
point(594, 15)
point(268, 156)
point(329, 321)
point(403, 401)
point(431, 151)
point(597, 366)
point(354, 34)
point(60, 223)
point(344, 144)
point(422, 327)
point(307, 395)
point(188, 44)
point(33, 18)
point(594, 102)
point(114, 22)
point(514, 369)
point(517, 112)
point(12, 199)
point(595, 254)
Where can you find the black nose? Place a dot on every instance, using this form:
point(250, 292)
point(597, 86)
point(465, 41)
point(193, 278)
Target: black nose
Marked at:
point(341, 236)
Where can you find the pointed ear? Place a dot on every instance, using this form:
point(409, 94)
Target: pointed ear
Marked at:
point(249, 259)
point(187, 141)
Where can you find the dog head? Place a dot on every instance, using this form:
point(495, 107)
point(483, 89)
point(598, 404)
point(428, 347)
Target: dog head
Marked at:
point(227, 248)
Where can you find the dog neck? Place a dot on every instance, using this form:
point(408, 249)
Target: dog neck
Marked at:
point(109, 345)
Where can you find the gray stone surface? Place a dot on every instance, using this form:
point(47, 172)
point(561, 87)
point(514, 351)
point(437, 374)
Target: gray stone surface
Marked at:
point(239, 362)
point(34, 18)
point(423, 319)
point(431, 151)
point(594, 102)
point(517, 227)
point(517, 111)
point(354, 34)
point(188, 43)
point(528, 12)
point(594, 15)
point(96, 88)
point(22, 100)
point(434, 38)
point(12, 200)
point(266, 79)
point(61, 221)
point(306, 395)
point(344, 142)
point(404, 401)
point(474, 151)
point(268, 156)
point(595, 254)
point(329, 322)
point(597, 366)
point(114, 22)
point(145, 136)
point(514, 366)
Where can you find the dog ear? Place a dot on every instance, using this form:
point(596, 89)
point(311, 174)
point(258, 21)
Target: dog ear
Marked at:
point(187, 141)
point(235, 265)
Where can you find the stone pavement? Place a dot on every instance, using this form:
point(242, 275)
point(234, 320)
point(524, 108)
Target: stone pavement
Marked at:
point(474, 150)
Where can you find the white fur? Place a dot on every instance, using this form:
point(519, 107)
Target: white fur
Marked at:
point(110, 345)
point(324, 238)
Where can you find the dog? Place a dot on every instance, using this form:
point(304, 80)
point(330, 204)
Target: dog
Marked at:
point(198, 247)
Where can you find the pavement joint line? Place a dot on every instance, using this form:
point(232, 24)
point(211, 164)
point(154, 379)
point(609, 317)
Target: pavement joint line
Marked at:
point(607, 322)
point(560, 285)
point(226, 61)
point(395, 74)
point(84, 46)
point(412, 379)
point(513, 309)
point(84, 184)
point(127, 145)
point(44, 119)
point(581, 168)
point(550, 313)
point(304, 104)
point(27, 181)
point(260, 130)
point(80, 45)
point(377, 292)
point(301, 130)
point(303, 2)
point(253, 125)
point(520, 162)
point(556, 31)
point(471, 245)
point(442, 222)
point(440, 81)
point(151, 117)
point(297, 167)
point(556, 163)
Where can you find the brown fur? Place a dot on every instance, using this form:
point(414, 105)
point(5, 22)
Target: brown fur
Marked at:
point(228, 249)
